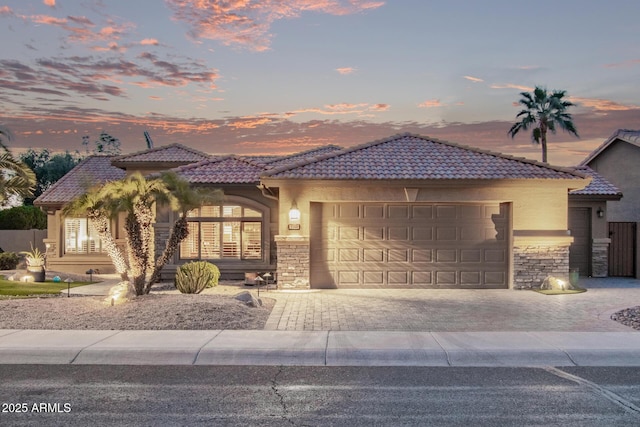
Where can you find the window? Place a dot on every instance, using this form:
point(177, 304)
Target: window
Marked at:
point(80, 237)
point(223, 232)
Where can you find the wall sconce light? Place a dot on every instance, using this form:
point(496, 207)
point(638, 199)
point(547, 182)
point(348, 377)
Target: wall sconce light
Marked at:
point(600, 213)
point(294, 217)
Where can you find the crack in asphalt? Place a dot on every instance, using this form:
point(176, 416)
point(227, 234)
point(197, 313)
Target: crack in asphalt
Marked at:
point(280, 396)
point(613, 397)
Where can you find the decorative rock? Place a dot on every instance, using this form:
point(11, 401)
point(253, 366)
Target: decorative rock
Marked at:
point(249, 299)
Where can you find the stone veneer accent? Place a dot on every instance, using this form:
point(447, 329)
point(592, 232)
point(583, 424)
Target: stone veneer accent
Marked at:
point(600, 257)
point(533, 263)
point(293, 262)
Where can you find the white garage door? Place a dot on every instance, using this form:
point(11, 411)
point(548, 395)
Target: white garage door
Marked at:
point(367, 245)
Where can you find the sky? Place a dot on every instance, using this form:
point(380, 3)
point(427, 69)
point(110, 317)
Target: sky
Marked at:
point(280, 76)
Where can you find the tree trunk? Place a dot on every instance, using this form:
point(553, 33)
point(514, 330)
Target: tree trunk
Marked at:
point(179, 232)
point(101, 225)
point(543, 141)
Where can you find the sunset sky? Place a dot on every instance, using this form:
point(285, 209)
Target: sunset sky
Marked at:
point(278, 76)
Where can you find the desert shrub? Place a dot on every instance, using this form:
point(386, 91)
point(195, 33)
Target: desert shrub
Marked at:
point(193, 277)
point(8, 260)
point(22, 218)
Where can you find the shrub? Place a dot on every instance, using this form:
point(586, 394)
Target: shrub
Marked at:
point(22, 218)
point(9, 260)
point(193, 277)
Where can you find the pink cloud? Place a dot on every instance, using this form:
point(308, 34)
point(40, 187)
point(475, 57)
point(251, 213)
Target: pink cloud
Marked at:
point(431, 103)
point(51, 3)
point(602, 104)
point(346, 70)
point(5, 10)
point(473, 79)
point(380, 107)
point(147, 42)
point(247, 23)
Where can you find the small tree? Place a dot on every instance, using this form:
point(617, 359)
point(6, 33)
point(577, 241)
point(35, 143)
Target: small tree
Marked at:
point(543, 112)
point(105, 144)
point(48, 168)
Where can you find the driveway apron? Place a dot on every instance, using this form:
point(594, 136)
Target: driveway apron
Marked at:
point(439, 310)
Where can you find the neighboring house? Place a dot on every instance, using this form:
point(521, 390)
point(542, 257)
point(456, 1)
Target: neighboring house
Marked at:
point(617, 160)
point(405, 211)
point(589, 252)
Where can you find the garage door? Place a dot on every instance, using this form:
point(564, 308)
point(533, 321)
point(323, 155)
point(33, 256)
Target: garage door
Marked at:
point(368, 245)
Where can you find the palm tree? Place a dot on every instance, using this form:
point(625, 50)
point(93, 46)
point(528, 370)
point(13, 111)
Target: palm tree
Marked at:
point(136, 196)
point(183, 199)
point(5, 133)
point(100, 209)
point(15, 178)
point(543, 112)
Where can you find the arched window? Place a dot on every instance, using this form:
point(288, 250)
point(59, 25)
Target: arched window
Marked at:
point(227, 231)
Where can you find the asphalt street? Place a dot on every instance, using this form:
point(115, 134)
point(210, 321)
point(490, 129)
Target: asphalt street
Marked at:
point(68, 395)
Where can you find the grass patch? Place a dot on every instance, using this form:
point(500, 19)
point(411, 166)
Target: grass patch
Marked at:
point(48, 287)
point(560, 291)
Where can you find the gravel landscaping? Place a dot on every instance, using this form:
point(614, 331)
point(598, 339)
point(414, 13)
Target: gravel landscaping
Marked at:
point(215, 308)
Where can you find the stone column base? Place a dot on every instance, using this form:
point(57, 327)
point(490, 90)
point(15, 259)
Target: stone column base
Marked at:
point(600, 257)
point(532, 263)
point(293, 262)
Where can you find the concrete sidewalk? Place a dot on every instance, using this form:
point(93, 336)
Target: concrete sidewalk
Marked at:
point(319, 348)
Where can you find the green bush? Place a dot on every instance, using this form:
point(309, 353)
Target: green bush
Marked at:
point(22, 218)
point(193, 277)
point(9, 260)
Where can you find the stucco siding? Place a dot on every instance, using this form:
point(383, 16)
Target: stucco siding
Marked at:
point(619, 165)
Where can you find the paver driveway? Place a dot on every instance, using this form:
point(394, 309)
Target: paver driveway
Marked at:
point(455, 310)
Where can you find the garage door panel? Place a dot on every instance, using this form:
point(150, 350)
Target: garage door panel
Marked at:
point(470, 278)
point(446, 255)
point(373, 233)
point(398, 233)
point(422, 233)
point(398, 212)
point(373, 211)
point(495, 255)
point(373, 277)
point(471, 255)
point(421, 278)
point(373, 255)
point(348, 233)
point(398, 255)
point(422, 255)
point(398, 278)
point(409, 245)
point(422, 212)
point(348, 255)
point(445, 278)
point(446, 233)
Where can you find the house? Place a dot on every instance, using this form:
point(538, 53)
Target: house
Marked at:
point(404, 211)
point(617, 160)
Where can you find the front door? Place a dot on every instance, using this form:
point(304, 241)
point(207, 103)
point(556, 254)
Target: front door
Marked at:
point(622, 249)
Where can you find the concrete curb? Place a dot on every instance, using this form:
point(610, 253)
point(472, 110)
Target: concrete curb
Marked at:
point(320, 348)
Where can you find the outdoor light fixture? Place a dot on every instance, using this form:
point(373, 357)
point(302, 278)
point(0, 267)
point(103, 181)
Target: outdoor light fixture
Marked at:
point(600, 213)
point(294, 217)
point(294, 212)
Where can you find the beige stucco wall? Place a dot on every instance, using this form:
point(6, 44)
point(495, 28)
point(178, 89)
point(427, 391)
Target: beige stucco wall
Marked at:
point(537, 205)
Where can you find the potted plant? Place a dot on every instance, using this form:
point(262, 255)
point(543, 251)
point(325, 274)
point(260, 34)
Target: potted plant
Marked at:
point(35, 263)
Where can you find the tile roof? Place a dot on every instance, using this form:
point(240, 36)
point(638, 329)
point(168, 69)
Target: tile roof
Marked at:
point(223, 170)
point(303, 156)
point(409, 156)
point(627, 135)
point(90, 171)
point(173, 153)
point(598, 186)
